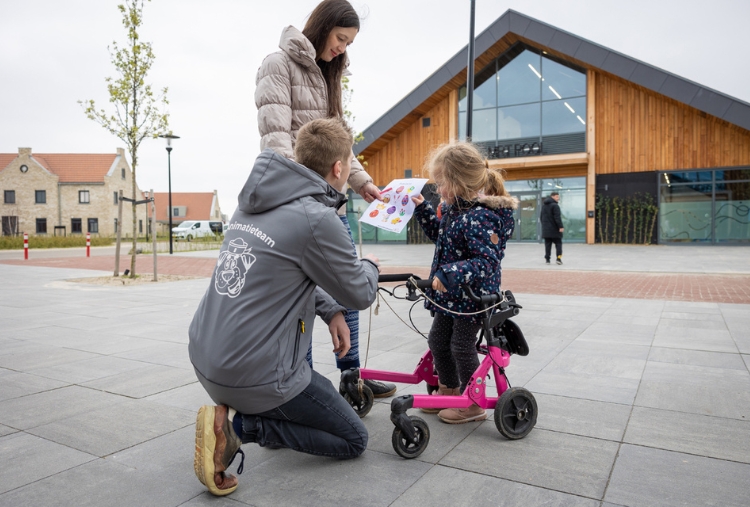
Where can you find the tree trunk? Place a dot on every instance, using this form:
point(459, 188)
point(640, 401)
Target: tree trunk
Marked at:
point(135, 218)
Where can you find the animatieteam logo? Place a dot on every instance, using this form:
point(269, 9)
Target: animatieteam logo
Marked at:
point(232, 268)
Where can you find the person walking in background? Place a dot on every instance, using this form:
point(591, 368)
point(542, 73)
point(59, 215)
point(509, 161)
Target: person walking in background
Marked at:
point(552, 226)
point(301, 83)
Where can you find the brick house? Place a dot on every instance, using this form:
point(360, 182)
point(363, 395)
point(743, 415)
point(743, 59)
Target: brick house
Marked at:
point(66, 193)
point(186, 206)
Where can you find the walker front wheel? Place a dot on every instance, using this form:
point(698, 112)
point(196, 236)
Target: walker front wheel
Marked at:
point(404, 447)
point(365, 403)
point(515, 413)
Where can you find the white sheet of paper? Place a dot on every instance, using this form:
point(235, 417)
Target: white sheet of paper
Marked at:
point(396, 208)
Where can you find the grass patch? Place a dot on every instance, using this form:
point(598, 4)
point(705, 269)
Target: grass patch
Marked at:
point(16, 242)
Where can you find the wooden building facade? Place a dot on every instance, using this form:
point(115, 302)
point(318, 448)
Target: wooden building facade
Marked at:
point(612, 133)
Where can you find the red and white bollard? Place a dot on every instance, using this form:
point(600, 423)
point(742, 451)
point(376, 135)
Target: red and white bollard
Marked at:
point(25, 246)
point(88, 244)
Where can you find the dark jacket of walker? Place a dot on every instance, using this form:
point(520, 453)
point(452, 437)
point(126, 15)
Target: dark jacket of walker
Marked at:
point(551, 219)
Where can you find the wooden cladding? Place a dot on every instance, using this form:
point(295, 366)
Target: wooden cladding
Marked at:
point(409, 149)
point(639, 130)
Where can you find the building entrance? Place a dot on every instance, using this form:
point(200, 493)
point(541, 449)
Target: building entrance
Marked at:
point(527, 216)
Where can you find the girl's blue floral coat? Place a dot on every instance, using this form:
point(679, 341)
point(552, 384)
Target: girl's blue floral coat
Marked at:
point(469, 245)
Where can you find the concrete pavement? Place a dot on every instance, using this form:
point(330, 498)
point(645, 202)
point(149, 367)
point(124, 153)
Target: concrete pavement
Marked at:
point(642, 402)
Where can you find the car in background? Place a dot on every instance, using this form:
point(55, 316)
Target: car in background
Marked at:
point(192, 229)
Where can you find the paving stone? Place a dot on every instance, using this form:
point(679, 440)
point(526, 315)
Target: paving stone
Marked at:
point(41, 358)
point(551, 460)
point(48, 406)
point(188, 397)
point(102, 482)
point(582, 417)
point(111, 429)
point(448, 486)
point(589, 387)
point(715, 340)
point(645, 477)
point(713, 437)
point(6, 430)
point(696, 358)
point(144, 381)
point(293, 478)
point(88, 369)
point(616, 332)
point(27, 459)
point(620, 360)
point(695, 389)
point(163, 353)
point(15, 385)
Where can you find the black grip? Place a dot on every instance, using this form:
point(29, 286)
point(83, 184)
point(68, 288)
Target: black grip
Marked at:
point(424, 284)
point(398, 277)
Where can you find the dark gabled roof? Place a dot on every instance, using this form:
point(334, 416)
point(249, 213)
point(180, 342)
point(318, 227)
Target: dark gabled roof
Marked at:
point(542, 35)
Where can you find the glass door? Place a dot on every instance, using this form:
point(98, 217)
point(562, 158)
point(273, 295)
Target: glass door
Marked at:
point(527, 216)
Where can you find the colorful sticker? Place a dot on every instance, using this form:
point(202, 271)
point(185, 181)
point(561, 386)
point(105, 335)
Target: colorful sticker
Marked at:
point(399, 189)
point(374, 213)
point(405, 200)
point(386, 199)
point(391, 210)
point(410, 189)
point(395, 220)
point(379, 206)
point(402, 212)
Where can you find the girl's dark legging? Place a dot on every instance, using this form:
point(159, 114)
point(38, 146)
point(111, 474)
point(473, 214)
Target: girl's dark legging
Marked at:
point(453, 345)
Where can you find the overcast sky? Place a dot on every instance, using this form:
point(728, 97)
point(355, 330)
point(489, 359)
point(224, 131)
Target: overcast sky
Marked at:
point(54, 53)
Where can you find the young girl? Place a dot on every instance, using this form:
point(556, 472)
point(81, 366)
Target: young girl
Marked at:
point(470, 237)
point(301, 83)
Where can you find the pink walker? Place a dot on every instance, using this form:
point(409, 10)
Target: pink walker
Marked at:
point(515, 407)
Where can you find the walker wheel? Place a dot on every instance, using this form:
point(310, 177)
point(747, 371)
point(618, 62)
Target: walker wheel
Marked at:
point(363, 407)
point(515, 413)
point(407, 449)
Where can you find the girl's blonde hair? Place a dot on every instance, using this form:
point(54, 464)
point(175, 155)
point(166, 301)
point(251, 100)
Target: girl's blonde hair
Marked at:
point(463, 170)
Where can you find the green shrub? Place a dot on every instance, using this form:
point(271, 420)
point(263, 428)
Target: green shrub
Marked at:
point(16, 242)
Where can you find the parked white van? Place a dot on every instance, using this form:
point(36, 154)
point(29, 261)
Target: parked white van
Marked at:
point(192, 229)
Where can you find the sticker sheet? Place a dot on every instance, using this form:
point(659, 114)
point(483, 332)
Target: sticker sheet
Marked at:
point(396, 208)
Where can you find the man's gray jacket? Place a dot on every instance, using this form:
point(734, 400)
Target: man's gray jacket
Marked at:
point(252, 329)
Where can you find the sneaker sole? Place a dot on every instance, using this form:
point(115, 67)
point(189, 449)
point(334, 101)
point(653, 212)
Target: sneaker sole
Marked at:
point(205, 445)
point(480, 417)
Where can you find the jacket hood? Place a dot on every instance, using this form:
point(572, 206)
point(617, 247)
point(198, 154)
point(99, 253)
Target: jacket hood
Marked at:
point(549, 200)
point(498, 201)
point(300, 49)
point(276, 180)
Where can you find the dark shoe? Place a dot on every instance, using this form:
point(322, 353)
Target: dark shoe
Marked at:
point(380, 389)
point(546, 261)
point(559, 261)
point(216, 445)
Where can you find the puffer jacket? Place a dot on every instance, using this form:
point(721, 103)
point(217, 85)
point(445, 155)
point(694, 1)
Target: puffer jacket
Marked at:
point(470, 240)
point(551, 219)
point(291, 91)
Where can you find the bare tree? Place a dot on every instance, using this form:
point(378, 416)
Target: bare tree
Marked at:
point(137, 114)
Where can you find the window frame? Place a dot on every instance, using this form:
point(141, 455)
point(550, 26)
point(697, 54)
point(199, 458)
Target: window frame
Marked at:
point(81, 193)
point(12, 194)
point(37, 194)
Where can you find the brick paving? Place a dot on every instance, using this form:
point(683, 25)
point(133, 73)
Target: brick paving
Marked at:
point(713, 288)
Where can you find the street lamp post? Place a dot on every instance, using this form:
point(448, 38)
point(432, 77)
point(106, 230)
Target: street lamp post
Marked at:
point(169, 138)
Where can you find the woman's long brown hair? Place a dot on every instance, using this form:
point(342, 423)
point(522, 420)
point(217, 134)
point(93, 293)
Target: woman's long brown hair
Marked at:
point(327, 15)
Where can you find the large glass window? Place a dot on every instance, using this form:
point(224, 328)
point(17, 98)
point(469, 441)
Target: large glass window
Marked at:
point(530, 97)
point(705, 206)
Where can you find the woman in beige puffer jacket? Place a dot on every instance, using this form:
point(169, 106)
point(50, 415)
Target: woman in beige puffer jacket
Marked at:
point(301, 83)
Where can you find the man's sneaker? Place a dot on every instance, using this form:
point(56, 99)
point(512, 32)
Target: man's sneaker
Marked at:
point(462, 415)
point(559, 261)
point(216, 445)
point(546, 261)
point(380, 389)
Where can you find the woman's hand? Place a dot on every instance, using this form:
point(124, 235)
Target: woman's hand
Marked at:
point(339, 335)
point(369, 192)
point(417, 199)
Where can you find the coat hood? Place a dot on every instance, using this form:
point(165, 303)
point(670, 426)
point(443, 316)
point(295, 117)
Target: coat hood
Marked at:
point(498, 201)
point(276, 180)
point(549, 200)
point(300, 49)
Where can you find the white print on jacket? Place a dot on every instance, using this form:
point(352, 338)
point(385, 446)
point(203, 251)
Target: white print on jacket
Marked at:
point(231, 268)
